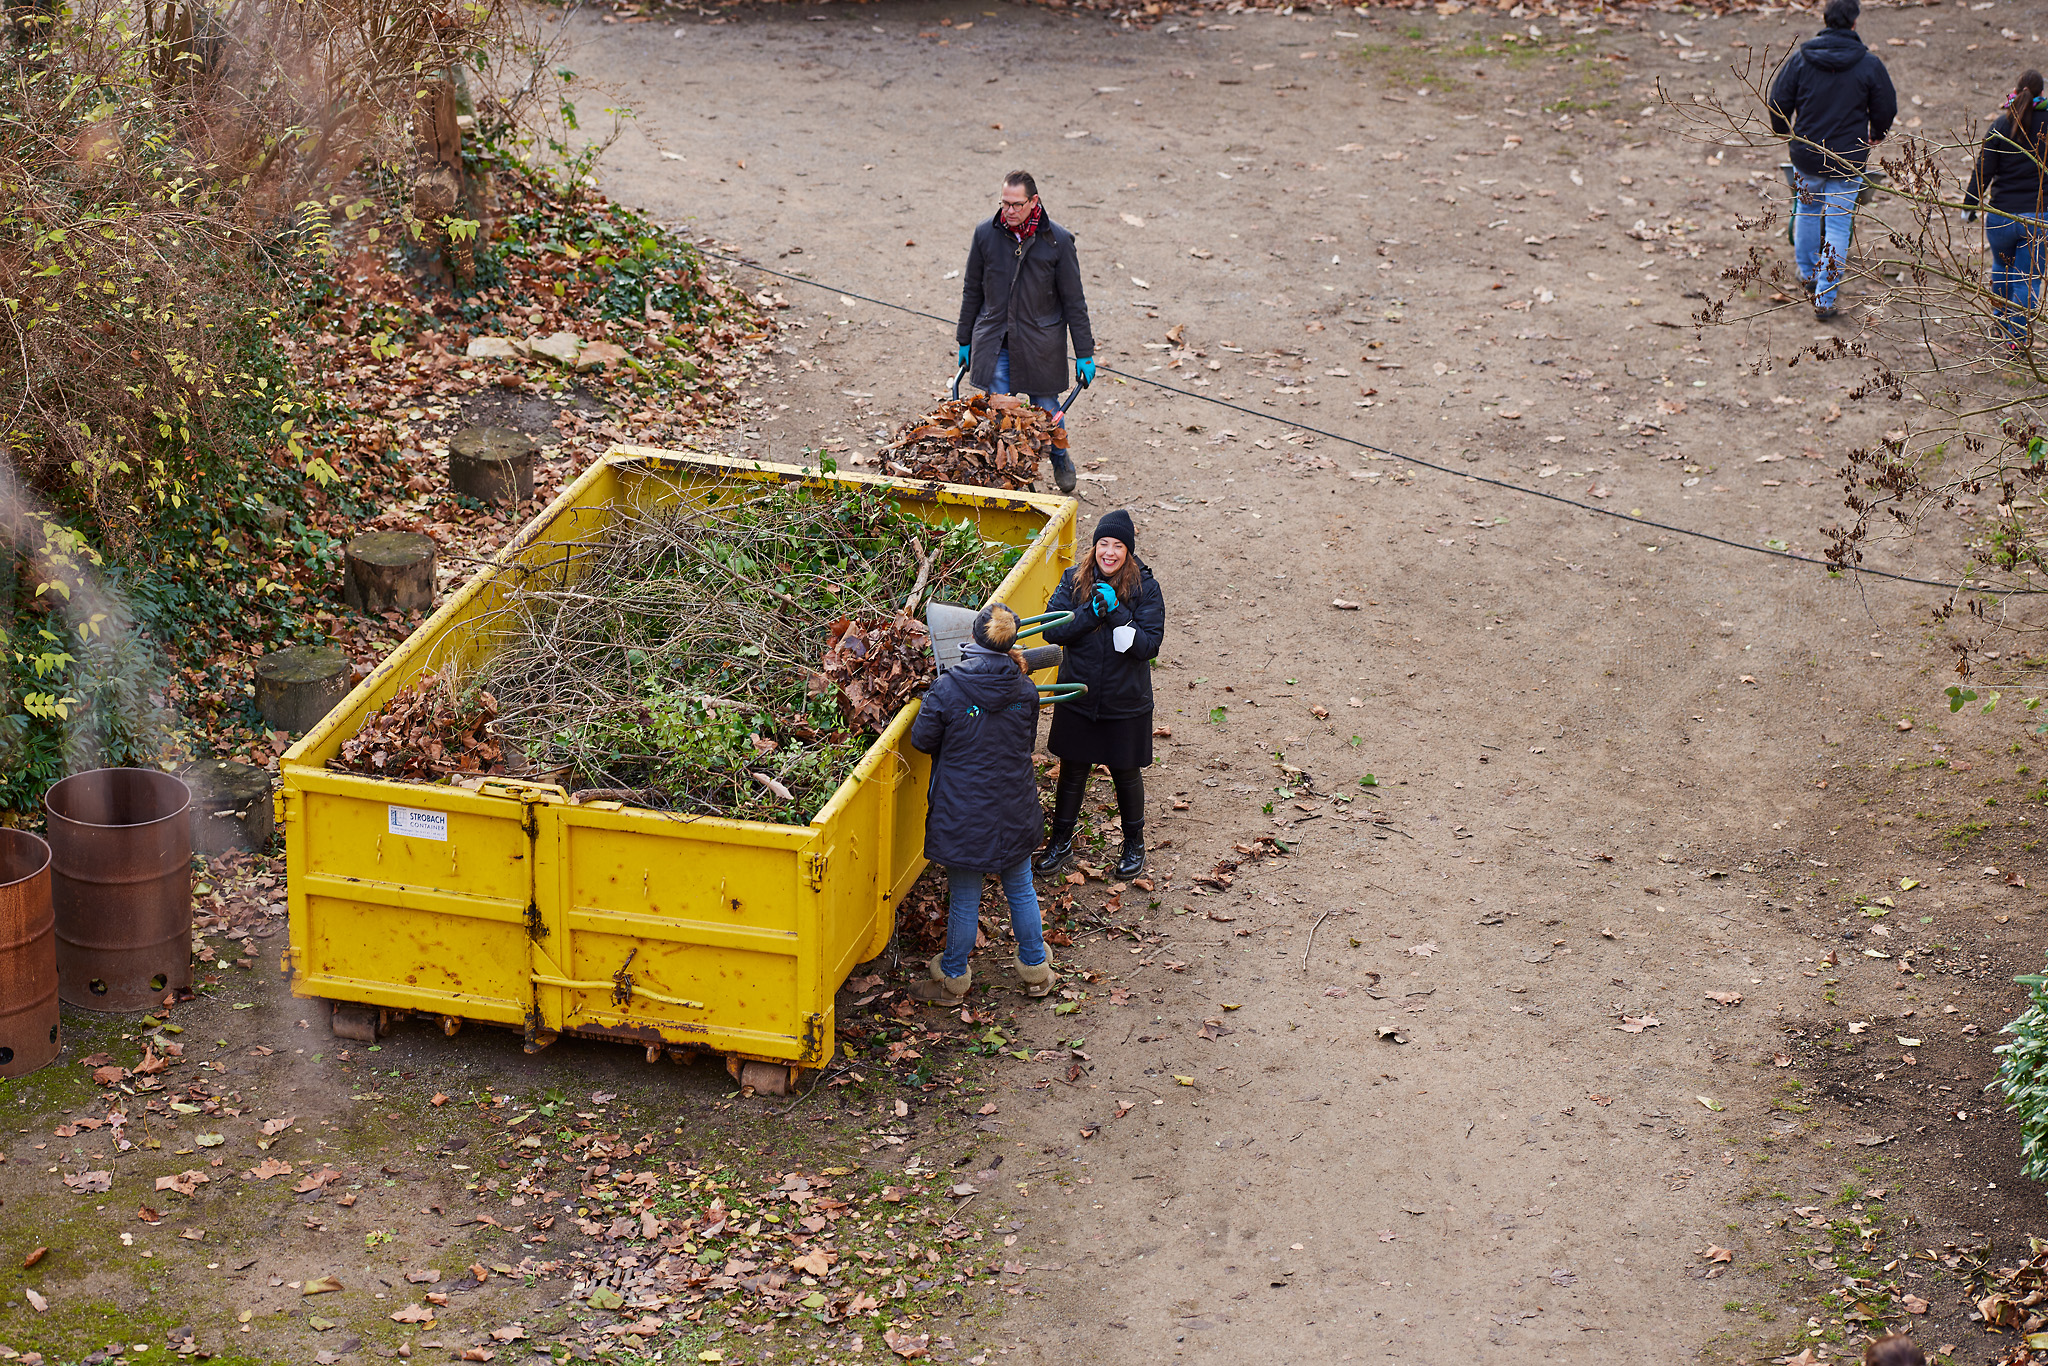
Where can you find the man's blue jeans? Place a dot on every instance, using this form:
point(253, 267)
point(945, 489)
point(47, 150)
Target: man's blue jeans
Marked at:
point(963, 916)
point(1823, 216)
point(2019, 252)
point(1050, 402)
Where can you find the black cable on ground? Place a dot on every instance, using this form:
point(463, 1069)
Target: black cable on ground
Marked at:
point(1428, 464)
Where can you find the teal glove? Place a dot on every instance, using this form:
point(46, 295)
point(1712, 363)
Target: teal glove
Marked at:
point(1084, 370)
point(963, 356)
point(1105, 599)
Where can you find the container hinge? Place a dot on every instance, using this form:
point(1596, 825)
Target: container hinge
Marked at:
point(536, 928)
point(814, 869)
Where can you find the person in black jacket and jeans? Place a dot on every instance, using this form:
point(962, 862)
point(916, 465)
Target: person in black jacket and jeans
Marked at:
point(1835, 99)
point(979, 723)
point(1020, 298)
point(2008, 184)
point(1119, 622)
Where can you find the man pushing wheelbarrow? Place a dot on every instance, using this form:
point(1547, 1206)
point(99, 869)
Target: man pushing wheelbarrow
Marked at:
point(1020, 299)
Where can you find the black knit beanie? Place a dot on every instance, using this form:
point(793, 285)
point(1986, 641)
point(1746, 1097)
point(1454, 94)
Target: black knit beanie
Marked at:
point(1119, 525)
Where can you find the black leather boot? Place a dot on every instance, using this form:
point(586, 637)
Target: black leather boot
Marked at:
point(1057, 851)
point(1066, 816)
point(1131, 861)
point(1063, 471)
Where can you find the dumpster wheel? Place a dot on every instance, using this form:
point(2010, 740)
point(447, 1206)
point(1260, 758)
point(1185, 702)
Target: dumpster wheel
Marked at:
point(762, 1078)
point(361, 1023)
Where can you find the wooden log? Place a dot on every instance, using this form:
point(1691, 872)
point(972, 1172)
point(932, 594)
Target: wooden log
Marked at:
point(493, 465)
point(295, 688)
point(230, 806)
point(389, 571)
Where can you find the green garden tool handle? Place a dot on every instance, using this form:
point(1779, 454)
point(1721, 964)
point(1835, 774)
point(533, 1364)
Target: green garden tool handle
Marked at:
point(1060, 692)
point(1031, 626)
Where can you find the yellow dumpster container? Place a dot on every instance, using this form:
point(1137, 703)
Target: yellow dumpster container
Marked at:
point(512, 905)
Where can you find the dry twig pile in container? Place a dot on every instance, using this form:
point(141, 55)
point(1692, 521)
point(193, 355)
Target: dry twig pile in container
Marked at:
point(730, 657)
point(992, 440)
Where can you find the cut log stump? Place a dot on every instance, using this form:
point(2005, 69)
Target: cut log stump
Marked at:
point(389, 571)
point(493, 465)
point(295, 688)
point(230, 806)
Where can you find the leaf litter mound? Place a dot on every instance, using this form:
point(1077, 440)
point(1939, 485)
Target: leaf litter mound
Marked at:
point(991, 440)
point(731, 654)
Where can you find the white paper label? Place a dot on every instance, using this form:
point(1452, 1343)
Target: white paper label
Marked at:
point(425, 825)
point(1123, 637)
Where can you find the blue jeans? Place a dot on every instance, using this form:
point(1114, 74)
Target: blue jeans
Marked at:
point(2019, 250)
point(1823, 216)
point(963, 916)
point(1050, 402)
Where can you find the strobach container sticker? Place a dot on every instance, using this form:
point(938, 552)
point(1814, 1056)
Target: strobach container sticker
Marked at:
point(426, 825)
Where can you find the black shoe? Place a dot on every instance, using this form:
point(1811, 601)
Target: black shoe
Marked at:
point(1057, 851)
point(1063, 475)
point(1131, 861)
point(1821, 315)
point(1806, 288)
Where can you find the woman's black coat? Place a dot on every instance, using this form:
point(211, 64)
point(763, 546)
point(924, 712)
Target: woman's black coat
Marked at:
point(979, 723)
point(1119, 684)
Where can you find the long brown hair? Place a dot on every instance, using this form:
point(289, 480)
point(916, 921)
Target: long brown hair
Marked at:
point(1124, 581)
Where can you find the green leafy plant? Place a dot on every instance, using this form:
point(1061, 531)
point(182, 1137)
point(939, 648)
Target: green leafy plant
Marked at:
point(2023, 1075)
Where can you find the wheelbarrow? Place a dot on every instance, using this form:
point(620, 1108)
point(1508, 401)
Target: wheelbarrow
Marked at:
point(951, 626)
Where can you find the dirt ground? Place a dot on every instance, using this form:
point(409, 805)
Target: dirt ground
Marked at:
point(1584, 1034)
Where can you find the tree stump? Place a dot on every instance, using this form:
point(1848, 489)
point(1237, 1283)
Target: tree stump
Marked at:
point(295, 688)
point(493, 465)
point(230, 806)
point(389, 571)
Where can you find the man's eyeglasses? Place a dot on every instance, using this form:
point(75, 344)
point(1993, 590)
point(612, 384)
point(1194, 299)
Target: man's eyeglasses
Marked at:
point(1012, 203)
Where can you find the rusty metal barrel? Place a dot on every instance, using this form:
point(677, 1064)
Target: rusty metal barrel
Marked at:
point(121, 855)
point(28, 956)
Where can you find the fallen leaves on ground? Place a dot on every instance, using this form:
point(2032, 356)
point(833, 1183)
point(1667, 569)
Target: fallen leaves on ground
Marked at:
point(268, 1168)
point(184, 1183)
point(1636, 1024)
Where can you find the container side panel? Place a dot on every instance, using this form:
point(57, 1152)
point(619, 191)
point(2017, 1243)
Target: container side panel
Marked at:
point(365, 944)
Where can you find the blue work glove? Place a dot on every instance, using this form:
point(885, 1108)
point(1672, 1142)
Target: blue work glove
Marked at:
point(963, 356)
point(1084, 370)
point(1105, 599)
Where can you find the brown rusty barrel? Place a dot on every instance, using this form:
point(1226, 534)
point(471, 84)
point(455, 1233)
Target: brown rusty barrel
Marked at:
point(121, 852)
point(28, 956)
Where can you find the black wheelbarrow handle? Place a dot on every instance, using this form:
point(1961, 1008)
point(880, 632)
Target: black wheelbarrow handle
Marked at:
point(1065, 403)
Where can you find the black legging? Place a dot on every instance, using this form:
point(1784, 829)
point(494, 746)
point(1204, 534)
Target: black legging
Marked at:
point(1073, 785)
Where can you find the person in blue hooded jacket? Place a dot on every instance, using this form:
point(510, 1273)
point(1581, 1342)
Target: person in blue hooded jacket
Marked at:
point(979, 723)
point(1834, 100)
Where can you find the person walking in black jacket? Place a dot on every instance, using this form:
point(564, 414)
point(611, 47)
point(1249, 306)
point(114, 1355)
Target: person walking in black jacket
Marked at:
point(2008, 185)
point(1119, 622)
point(1834, 98)
point(1020, 299)
point(979, 723)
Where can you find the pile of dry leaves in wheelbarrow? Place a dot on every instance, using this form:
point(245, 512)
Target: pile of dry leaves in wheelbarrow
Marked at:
point(991, 440)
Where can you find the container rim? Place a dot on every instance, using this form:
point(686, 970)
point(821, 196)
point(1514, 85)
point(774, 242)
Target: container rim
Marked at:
point(1058, 510)
point(8, 835)
point(153, 774)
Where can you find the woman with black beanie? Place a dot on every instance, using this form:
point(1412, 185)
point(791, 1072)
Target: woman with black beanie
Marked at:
point(2008, 185)
point(1119, 622)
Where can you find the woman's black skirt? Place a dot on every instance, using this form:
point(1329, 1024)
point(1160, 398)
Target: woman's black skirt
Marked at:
point(1125, 742)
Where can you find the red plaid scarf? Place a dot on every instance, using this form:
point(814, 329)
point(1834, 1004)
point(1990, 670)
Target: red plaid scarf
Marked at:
point(1030, 228)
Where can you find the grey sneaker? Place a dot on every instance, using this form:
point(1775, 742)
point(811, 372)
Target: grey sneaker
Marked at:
point(1063, 474)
